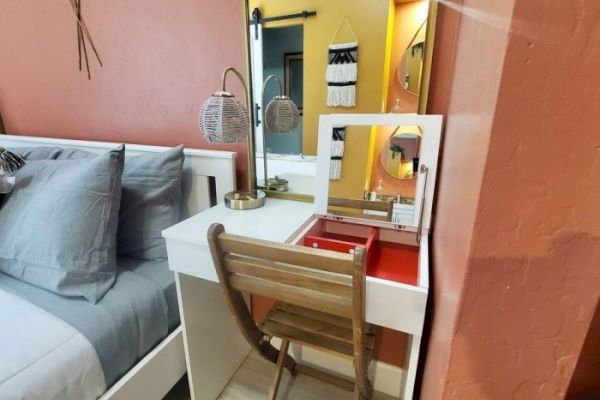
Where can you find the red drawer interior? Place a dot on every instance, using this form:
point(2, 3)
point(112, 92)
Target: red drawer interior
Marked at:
point(385, 260)
point(395, 262)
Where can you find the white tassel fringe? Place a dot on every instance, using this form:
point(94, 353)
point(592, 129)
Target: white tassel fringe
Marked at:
point(342, 72)
point(341, 96)
point(335, 170)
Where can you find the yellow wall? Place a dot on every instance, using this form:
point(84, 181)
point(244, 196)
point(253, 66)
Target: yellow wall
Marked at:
point(369, 20)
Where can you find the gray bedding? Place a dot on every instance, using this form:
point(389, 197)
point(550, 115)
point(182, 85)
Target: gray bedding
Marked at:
point(134, 316)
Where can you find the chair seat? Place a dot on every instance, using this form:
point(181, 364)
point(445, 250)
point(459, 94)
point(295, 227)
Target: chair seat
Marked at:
point(316, 329)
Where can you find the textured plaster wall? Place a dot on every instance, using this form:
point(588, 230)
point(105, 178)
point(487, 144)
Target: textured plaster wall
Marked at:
point(516, 282)
point(534, 276)
point(161, 61)
point(466, 72)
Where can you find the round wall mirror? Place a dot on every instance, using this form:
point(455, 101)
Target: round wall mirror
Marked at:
point(410, 67)
point(400, 153)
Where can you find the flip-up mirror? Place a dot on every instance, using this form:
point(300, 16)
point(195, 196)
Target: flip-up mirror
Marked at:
point(378, 168)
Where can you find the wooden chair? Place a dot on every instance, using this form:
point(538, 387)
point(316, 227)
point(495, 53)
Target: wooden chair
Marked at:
point(320, 302)
point(377, 205)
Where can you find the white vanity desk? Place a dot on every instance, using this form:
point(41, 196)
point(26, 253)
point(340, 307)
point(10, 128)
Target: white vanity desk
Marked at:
point(214, 347)
point(213, 344)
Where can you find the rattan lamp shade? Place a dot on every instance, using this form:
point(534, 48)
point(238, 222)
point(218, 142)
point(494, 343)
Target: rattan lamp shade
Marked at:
point(223, 119)
point(281, 115)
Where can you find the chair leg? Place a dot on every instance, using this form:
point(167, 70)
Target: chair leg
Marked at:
point(360, 396)
point(362, 386)
point(279, 369)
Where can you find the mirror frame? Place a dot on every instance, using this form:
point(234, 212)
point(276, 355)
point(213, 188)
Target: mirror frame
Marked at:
point(423, 92)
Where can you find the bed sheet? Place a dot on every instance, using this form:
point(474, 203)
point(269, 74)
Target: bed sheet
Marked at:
point(132, 318)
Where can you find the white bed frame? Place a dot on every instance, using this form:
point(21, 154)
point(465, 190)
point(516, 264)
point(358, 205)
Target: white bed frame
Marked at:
point(207, 176)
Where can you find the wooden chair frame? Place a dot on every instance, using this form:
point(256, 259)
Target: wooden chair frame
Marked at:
point(329, 284)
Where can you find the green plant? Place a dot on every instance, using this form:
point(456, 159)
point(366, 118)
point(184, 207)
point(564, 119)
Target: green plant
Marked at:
point(397, 149)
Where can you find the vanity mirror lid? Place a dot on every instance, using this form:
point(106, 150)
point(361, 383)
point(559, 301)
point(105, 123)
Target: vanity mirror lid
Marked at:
point(429, 127)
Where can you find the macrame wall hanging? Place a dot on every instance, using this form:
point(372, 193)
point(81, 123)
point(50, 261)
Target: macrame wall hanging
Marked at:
point(82, 35)
point(337, 153)
point(342, 70)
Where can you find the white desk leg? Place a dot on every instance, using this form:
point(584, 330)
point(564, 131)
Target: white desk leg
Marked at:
point(413, 347)
point(214, 346)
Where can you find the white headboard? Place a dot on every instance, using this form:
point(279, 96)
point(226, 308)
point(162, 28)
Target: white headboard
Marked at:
point(207, 174)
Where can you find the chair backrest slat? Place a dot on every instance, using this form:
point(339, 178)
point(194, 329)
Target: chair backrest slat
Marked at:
point(288, 275)
point(337, 305)
point(324, 260)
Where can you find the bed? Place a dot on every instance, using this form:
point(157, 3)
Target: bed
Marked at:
point(129, 345)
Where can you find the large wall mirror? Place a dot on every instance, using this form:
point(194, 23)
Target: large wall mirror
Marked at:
point(290, 41)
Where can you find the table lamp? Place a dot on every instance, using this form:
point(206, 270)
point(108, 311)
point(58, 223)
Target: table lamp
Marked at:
point(9, 162)
point(280, 116)
point(223, 119)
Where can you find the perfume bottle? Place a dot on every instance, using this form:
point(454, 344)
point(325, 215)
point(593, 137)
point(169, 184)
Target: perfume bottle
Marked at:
point(379, 190)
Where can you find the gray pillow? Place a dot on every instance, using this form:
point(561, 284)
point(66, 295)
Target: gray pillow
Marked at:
point(59, 225)
point(75, 154)
point(150, 202)
point(37, 153)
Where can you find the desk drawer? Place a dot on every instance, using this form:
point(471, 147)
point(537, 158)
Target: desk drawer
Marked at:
point(397, 276)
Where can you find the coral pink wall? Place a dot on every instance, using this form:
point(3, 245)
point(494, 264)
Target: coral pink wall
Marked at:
point(516, 244)
point(465, 80)
point(162, 60)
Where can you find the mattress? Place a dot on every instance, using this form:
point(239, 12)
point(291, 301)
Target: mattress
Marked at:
point(133, 317)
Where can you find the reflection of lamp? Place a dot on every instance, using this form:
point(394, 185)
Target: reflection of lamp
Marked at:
point(9, 162)
point(223, 119)
point(279, 116)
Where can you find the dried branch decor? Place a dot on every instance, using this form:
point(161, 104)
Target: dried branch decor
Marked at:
point(82, 35)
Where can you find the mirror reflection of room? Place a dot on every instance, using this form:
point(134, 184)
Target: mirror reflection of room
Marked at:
point(391, 37)
point(407, 56)
point(399, 155)
point(376, 177)
point(282, 57)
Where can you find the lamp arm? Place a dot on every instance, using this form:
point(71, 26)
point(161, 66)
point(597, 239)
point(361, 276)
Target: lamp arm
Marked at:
point(240, 77)
point(264, 132)
point(278, 83)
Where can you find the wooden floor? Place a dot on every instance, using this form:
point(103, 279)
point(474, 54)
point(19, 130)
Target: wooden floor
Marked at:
point(252, 380)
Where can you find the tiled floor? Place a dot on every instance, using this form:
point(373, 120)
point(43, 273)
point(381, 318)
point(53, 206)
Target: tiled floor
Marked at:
point(252, 380)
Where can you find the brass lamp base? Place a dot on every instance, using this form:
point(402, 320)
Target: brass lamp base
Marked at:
point(245, 200)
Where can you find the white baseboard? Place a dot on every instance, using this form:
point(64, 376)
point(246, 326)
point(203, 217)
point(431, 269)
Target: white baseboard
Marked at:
point(386, 378)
